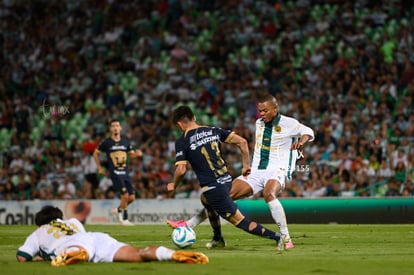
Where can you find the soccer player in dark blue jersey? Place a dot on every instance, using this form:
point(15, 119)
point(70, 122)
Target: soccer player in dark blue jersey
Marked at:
point(117, 149)
point(200, 146)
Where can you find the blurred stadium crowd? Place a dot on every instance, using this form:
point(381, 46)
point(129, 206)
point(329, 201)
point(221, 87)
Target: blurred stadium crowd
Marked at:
point(345, 68)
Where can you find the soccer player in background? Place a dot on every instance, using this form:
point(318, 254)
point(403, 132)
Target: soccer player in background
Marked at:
point(278, 139)
point(200, 146)
point(65, 242)
point(117, 149)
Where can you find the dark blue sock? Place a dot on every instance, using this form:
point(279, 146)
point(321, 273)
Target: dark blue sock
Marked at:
point(259, 230)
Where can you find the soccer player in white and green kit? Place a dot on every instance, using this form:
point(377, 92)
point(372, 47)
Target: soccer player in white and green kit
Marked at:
point(65, 242)
point(278, 139)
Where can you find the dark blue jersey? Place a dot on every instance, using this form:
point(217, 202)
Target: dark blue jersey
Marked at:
point(201, 148)
point(117, 155)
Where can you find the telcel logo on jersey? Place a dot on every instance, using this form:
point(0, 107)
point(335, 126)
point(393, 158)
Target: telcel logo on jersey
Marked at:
point(198, 136)
point(199, 139)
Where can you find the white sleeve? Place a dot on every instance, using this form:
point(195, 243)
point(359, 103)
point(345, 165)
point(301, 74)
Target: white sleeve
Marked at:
point(30, 247)
point(305, 130)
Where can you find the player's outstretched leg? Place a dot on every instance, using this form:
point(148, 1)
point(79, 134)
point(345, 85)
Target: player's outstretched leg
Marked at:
point(175, 224)
point(192, 222)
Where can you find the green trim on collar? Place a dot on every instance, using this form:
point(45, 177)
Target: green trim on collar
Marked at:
point(277, 119)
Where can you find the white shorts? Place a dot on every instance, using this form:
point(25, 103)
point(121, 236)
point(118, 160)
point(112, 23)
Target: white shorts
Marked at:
point(100, 246)
point(258, 179)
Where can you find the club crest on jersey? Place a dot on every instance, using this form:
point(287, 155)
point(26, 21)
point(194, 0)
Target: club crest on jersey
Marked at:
point(278, 129)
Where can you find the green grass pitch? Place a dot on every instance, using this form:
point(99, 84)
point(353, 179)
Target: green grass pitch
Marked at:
point(320, 249)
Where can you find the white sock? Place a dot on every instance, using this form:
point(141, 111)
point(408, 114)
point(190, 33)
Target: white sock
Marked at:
point(164, 254)
point(278, 214)
point(197, 219)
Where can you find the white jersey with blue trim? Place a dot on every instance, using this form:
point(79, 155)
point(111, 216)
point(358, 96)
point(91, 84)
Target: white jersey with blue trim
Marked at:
point(273, 143)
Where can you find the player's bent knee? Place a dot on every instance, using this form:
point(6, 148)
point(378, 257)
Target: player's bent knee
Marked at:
point(271, 190)
point(236, 218)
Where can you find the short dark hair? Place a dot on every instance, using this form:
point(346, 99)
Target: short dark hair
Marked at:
point(266, 98)
point(182, 113)
point(113, 120)
point(47, 214)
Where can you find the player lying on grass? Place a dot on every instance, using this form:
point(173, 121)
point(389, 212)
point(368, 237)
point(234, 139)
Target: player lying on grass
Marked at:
point(66, 242)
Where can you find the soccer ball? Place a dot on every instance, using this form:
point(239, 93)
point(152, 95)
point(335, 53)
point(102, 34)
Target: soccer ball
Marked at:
point(183, 236)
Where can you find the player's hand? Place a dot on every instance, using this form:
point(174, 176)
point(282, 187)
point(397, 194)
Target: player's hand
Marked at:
point(246, 171)
point(296, 145)
point(138, 153)
point(170, 186)
point(101, 171)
